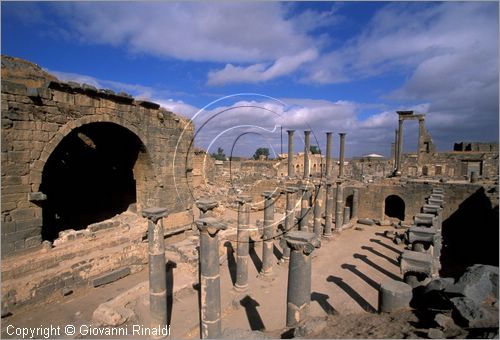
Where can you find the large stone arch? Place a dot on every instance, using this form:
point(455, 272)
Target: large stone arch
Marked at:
point(136, 191)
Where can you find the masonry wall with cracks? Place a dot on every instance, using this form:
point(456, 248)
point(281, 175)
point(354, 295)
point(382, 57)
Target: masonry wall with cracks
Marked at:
point(102, 139)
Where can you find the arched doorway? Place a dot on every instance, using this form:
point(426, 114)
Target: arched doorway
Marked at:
point(394, 206)
point(97, 171)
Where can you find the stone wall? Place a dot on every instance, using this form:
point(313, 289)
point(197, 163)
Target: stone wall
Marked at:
point(38, 112)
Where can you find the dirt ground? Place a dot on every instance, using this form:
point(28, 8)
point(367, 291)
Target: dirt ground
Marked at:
point(347, 270)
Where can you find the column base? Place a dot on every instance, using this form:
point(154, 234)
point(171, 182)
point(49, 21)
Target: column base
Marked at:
point(240, 289)
point(266, 276)
point(327, 236)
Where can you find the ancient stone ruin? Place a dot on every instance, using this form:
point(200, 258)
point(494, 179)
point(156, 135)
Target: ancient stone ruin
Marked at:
point(112, 216)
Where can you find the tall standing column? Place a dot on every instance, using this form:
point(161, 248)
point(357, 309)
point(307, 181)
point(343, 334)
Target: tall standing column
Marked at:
point(210, 305)
point(298, 298)
point(318, 204)
point(290, 153)
point(327, 231)
point(355, 203)
point(157, 270)
point(289, 219)
point(338, 207)
point(307, 148)
point(400, 146)
point(328, 154)
point(396, 151)
point(341, 154)
point(268, 240)
point(421, 133)
point(304, 208)
point(243, 237)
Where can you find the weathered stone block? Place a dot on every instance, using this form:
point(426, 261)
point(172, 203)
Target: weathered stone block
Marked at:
point(110, 277)
point(23, 214)
point(394, 296)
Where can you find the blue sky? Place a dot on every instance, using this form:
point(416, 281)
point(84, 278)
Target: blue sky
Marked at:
point(324, 66)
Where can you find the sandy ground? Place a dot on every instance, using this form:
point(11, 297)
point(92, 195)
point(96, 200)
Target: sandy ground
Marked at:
point(346, 272)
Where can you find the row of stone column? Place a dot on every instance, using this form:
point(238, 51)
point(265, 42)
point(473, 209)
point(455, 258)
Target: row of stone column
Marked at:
point(425, 238)
point(307, 147)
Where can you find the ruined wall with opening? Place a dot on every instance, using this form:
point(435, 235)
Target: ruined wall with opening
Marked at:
point(47, 123)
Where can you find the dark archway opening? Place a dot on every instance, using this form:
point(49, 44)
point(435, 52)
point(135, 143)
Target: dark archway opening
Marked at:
point(395, 207)
point(348, 202)
point(89, 177)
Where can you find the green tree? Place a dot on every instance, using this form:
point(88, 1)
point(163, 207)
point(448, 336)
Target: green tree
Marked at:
point(220, 155)
point(259, 152)
point(315, 150)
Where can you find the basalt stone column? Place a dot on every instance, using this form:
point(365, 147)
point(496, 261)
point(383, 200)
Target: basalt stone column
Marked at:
point(290, 153)
point(209, 277)
point(341, 155)
point(307, 147)
point(318, 204)
point(289, 219)
point(328, 154)
point(327, 231)
point(268, 240)
point(347, 215)
point(338, 206)
point(157, 270)
point(304, 210)
point(355, 203)
point(243, 243)
point(302, 244)
point(206, 205)
point(395, 149)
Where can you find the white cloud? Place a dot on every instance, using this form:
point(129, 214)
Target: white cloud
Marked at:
point(220, 32)
point(259, 72)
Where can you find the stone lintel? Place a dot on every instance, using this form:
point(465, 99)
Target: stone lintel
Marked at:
point(154, 214)
point(291, 190)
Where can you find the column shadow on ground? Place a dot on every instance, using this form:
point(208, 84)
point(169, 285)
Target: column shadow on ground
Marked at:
point(169, 270)
point(257, 262)
point(231, 262)
point(253, 316)
point(353, 269)
point(397, 251)
point(365, 259)
point(387, 258)
point(321, 299)
point(352, 293)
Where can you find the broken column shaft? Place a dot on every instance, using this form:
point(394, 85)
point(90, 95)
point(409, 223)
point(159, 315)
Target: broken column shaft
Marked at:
point(210, 305)
point(157, 270)
point(307, 147)
point(290, 153)
point(243, 237)
point(305, 210)
point(317, 227)
point(268, 237)
point(338, 205)
point(289, 219)
point(341, 154)
point(327, 231)
point(347, 215)
point(355, 203)
point(298, 298)
point(328, 154)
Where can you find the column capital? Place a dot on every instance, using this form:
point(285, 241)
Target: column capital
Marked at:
point(329, 133)
point(206, 204)
point(306, 132)
point(291, 190)
point(342, 134)
point(290, 131)
point(270, 194)
point(211, 225)
point(242, 199)
point(302, 241)
point(154, 214)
